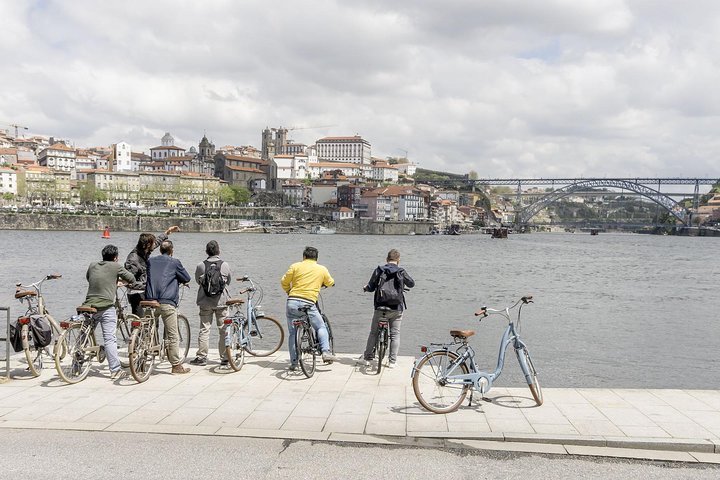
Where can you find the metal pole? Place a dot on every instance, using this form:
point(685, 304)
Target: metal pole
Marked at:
point(7, 346)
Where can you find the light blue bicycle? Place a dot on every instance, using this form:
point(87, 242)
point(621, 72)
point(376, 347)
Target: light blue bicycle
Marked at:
point(443, 376)
point(253, 331)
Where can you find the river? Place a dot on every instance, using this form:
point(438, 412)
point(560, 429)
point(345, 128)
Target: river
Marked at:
point(613, 310)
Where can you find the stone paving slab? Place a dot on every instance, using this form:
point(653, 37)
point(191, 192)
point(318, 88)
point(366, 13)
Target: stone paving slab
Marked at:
point(349, 403)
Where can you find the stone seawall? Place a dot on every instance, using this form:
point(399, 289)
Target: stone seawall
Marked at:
point(365, 226)
point(26, 221)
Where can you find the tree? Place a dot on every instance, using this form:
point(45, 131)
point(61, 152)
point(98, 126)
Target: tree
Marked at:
point(241, 194)
point(226, 194)
point(473, 175)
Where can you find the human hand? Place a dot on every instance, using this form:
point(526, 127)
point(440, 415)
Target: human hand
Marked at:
point(172, 229)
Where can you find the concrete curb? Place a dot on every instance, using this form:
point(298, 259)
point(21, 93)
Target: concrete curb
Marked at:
point(688, 450)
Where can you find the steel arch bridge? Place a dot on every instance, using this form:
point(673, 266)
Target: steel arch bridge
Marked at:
point(674, 208)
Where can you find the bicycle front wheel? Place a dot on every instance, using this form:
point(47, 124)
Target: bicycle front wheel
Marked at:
point(380, 348)
point(305, 348)
point(530, 375)
point(183, 337)
point(431, 385)
point(71, 360)
point(142, 360)
point(265, 336)
point(331, 340)
point(32, 355)
point(234, 351)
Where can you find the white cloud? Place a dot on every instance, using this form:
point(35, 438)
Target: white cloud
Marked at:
point(556, 88)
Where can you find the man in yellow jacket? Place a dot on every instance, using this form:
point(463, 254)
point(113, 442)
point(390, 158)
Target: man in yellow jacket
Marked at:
point(302, 283)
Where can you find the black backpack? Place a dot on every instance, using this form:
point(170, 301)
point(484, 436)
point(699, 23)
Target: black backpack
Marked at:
point(41, 331)
point(389, 292)
point(213, 283)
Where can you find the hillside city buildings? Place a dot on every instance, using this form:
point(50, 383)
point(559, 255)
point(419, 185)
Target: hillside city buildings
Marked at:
point(335, 173)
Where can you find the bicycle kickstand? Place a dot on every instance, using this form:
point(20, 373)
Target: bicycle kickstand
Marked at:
point(471, 397)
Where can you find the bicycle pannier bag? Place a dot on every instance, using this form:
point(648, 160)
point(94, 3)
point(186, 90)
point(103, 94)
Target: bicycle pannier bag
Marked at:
point(16, 336)
point(213, 283)
point(41, 331)
point(390, 289)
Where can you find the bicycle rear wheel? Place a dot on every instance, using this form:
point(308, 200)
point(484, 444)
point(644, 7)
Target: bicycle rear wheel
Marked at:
point(234, 351)
point(183, 337)
point(305, 348)
point(122, 334)
point(380, 348)
point(142, 360)
point(32, 355)
point(72, 361)
point(265, 336)
point(431, 386)
point(530, 375)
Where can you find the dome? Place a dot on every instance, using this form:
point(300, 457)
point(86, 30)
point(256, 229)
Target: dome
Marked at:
point(192, 150)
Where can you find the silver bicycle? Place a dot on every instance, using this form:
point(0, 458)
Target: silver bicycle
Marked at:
point(446, 372)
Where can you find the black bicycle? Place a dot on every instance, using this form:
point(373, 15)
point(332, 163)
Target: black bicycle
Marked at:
point(307, 345)
point(383, 340)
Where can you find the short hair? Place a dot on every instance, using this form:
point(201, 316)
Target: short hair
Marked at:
point(166, 247)
point(212, 248)
point(393, 256)
point(310, 253)
point(109, 253)
point(146, 243)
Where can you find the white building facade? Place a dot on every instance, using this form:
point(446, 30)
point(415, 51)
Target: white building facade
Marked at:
point(122, 157)
point(8, 181)
point(343, 149)
point(58, 157)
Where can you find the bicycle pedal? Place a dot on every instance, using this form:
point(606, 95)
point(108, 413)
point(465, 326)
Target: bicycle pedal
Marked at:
point(254, 333)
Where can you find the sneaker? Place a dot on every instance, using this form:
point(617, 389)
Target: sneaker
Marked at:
point(391, 365)
point(293, 367)
point(179, 370)
point(118, 374)
point(223, 362)
point(328, 357)
point(199, 361)
point(362, 361)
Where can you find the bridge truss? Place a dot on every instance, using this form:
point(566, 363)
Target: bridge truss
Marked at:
point(566, 186)
point(661, 199)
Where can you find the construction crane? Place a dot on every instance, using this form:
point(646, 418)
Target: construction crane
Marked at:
point(16, 128)
point(302, 128)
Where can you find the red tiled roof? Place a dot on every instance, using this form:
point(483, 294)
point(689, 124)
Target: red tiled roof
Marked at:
point(391, 191)
point(60, 146)
point(353, 138)
point(243, 169)
point(244, 159)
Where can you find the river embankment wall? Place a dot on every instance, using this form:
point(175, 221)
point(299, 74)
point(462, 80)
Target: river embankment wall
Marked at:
point(136, 223)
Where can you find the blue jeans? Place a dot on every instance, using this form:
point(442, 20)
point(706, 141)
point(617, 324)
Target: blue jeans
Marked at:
point(315, 320)
point(108, 323)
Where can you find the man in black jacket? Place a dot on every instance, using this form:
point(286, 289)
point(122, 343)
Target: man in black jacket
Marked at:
point(136, 263)
point(390, 311)
point(164, 276)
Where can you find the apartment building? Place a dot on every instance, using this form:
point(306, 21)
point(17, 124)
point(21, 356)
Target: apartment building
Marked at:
point(353, 149)
point(396, 202)
point(58, 157)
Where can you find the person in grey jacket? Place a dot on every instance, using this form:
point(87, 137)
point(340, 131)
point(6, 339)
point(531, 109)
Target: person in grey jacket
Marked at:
point(164, 276)
point(211, 306)
point(136, 263)
point(102, 280)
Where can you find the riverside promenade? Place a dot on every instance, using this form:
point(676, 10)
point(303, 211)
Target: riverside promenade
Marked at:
point(347, 403)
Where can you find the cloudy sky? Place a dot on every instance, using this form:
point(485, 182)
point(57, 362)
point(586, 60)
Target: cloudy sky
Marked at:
point(506, 88)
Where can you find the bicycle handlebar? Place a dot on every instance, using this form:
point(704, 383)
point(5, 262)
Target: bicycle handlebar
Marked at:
point(36, 285)
point(485, 311)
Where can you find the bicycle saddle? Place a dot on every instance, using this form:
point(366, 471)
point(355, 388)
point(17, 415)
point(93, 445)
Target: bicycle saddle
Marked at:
point(149, 303)
point(462, 333)
point(234, 301)
point(25, 293)
point(86, 309)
